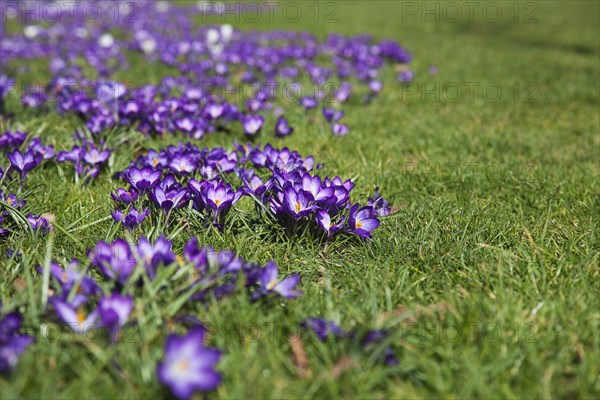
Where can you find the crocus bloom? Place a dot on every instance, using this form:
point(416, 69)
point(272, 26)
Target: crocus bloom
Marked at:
point(282, 127)
point(132, 219)
point(12, 343)
point(379, 204)
point(323, 219)
point(75, 155)
point(116, 260)
point(172, 198)
point(142, 179)
point(296, 203)
point(23, 163)
point(182, 165)
point(252, 124)
point(332, 115)
point(362, 221)
point(340, 129)
point(343, 93)
point(312, 185)
point(406, 76)
point(96, 157)
point(154, 255)
point(114, 312)
point(269, 282)
point(255, 187)
point(40, 223)
point(12, 139)
point(308, 102)
point(214, 110)
point(323, 328)
point(47, 152)
point(76, 318)
point(68, 278)
point(188, 366)
point(216, 196)
point(375, 86)
point(125, 196)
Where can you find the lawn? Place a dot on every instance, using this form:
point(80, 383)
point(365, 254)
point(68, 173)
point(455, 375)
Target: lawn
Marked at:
point(485, 275)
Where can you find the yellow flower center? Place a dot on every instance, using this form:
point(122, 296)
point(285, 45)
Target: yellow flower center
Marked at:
point(272, 284)
point(80, 316)
point(298, 207)
point(183, 365)
point(155, 162)
point(358, 224)
point(217, 202)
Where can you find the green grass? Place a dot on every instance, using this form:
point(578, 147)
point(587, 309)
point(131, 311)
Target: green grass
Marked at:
point(487, 276)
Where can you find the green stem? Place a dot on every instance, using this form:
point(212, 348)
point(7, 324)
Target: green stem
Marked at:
point(47, 262)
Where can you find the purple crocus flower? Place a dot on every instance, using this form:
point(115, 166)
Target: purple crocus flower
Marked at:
point(33, 99)
point(142, 179)
point(125, 196)
point(154, 255)
point(185, 124)
point(308, 102)
point(182, 165)
point(214, 110)
point(171, 198)
point(339, 129)
point(12, 201)
point(12, 139)
point(114, 312)
point(46, 152)
point(379, 204)
point(255, 187)
point(75, 317)
point(332, 115)
point(215, 196)
point(321, 194)
point(23, 163)
point(323, 219)
point(39, 223)
point(375, 86)
point(132, 219)
point(93, 156)
point(322, 328)
point(252, 123)
point(343, 93)
point(406, 76)
point(115, 261)
point(269, 282)
point(362, 221)
point(75, 155)
point(282, 127)
point(12, 343)
point(298, 204)
point(188, 366)
point(68, 278)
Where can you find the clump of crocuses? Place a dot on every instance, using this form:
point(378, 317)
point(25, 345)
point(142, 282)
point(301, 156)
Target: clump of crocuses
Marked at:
point(87, 158)
point(12, 342)
point(370, 342)
point(280, 182)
